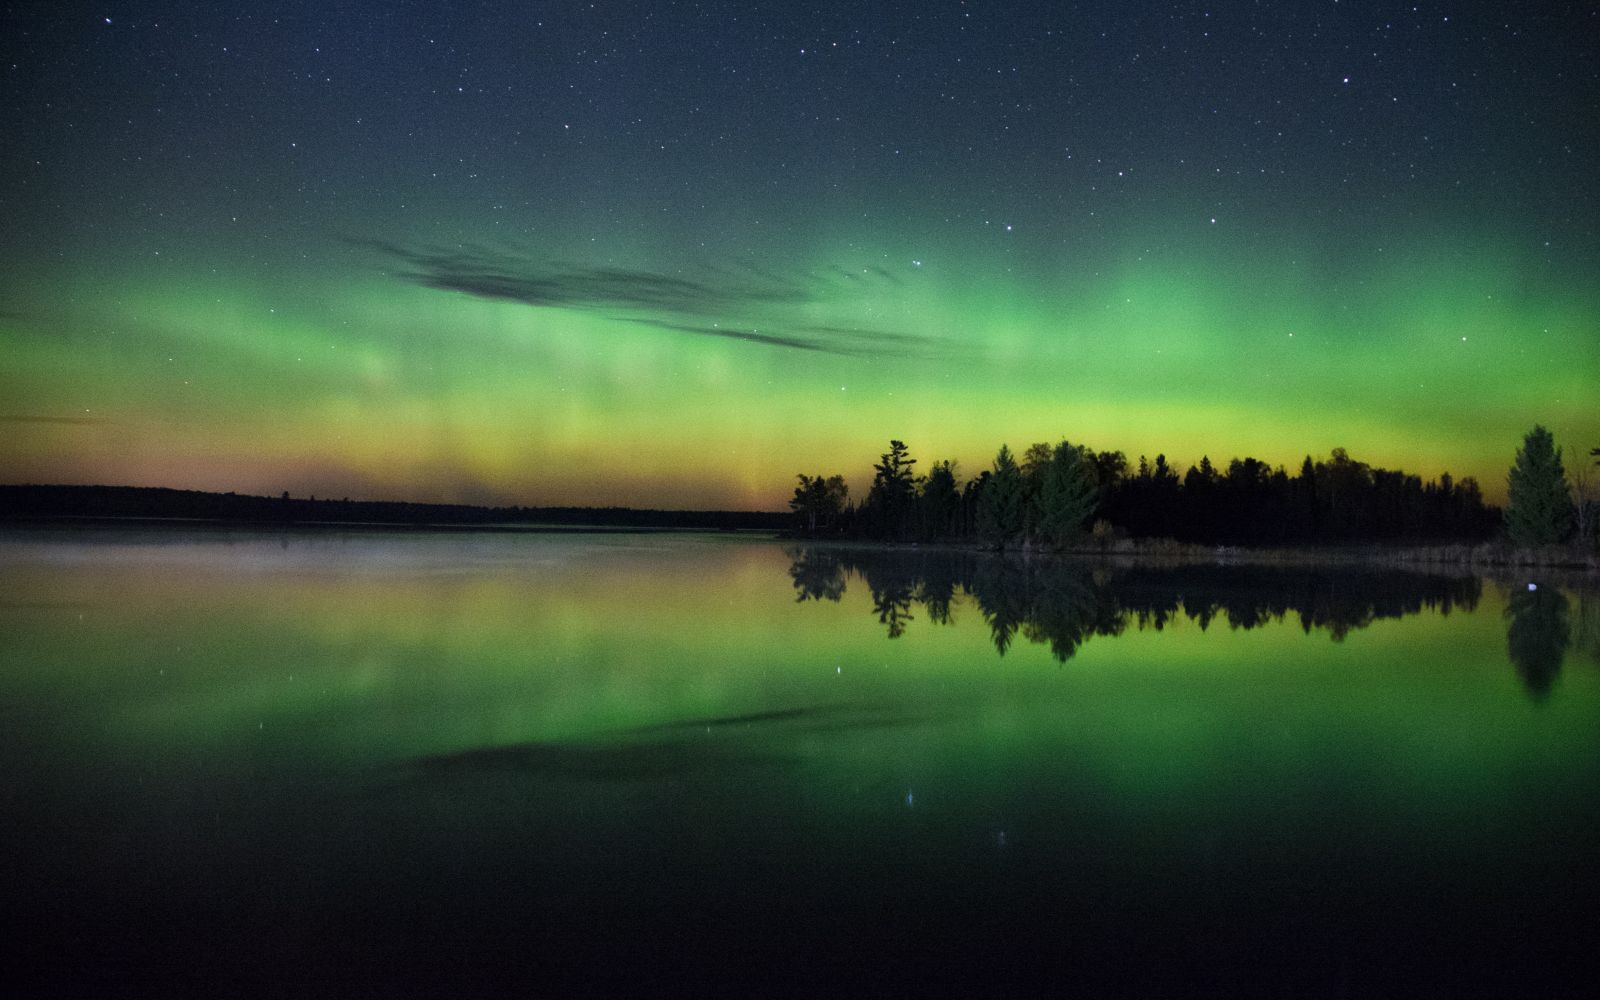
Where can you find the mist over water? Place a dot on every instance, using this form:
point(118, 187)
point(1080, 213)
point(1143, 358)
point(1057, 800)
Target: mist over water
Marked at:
point(349, 763)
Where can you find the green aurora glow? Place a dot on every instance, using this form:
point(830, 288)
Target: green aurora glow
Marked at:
point(218, 316)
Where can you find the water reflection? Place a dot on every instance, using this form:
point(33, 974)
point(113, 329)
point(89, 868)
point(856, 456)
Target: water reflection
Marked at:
point(1586, 628)
point(1537, 635)
point(717, 745)
point(1064, 604)
point(319, 761)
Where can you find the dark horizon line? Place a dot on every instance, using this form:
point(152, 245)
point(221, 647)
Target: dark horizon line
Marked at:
point(23, 500)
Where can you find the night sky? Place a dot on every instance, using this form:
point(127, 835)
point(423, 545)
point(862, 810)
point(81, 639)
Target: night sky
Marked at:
point(671, 254)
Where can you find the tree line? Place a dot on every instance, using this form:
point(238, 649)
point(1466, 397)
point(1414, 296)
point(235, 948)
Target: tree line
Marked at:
point(1056, 496)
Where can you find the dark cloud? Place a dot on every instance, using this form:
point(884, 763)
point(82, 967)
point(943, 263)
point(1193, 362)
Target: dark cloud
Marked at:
point(493, 274)
point(711, 304)
point(753, 336)
point(32, 418)
point(884, 336)
point(847, 341)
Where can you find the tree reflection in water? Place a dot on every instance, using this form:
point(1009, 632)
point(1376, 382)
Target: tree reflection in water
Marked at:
point(1586, 625)
point(1536, 636)
point(1064, 604)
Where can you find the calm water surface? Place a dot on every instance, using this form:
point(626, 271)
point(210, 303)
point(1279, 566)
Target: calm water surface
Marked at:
point(349, 763)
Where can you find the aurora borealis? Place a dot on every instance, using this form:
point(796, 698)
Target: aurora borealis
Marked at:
point(672, 254)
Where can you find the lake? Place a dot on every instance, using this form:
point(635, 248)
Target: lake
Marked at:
point(352, 763)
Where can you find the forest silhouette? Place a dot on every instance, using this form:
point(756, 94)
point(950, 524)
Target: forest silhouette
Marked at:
point(1055, 496)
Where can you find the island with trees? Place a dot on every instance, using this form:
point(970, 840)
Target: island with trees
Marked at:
point(1070, 497)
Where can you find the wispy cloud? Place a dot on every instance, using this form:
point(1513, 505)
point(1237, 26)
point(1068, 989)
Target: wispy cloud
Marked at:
point(494, 274)
point(714, 302)
point(886, 336)
point(754, 336)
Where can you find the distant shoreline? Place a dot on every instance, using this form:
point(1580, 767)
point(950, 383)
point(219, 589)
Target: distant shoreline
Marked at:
point(154, 504)
point(73, 522)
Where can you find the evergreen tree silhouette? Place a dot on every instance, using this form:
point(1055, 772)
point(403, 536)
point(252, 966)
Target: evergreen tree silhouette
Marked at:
point(1066, 496)
point(1540, 512)
point(1000, 512)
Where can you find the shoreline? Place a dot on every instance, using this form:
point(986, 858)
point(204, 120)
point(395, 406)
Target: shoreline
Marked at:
point(73, 522)
point(1485, 558)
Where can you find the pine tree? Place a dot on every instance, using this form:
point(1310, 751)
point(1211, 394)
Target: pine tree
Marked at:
point(1066, 496)
point(1540, 512)
point(894, 491)
point(1000, 504)
point(941, 502)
